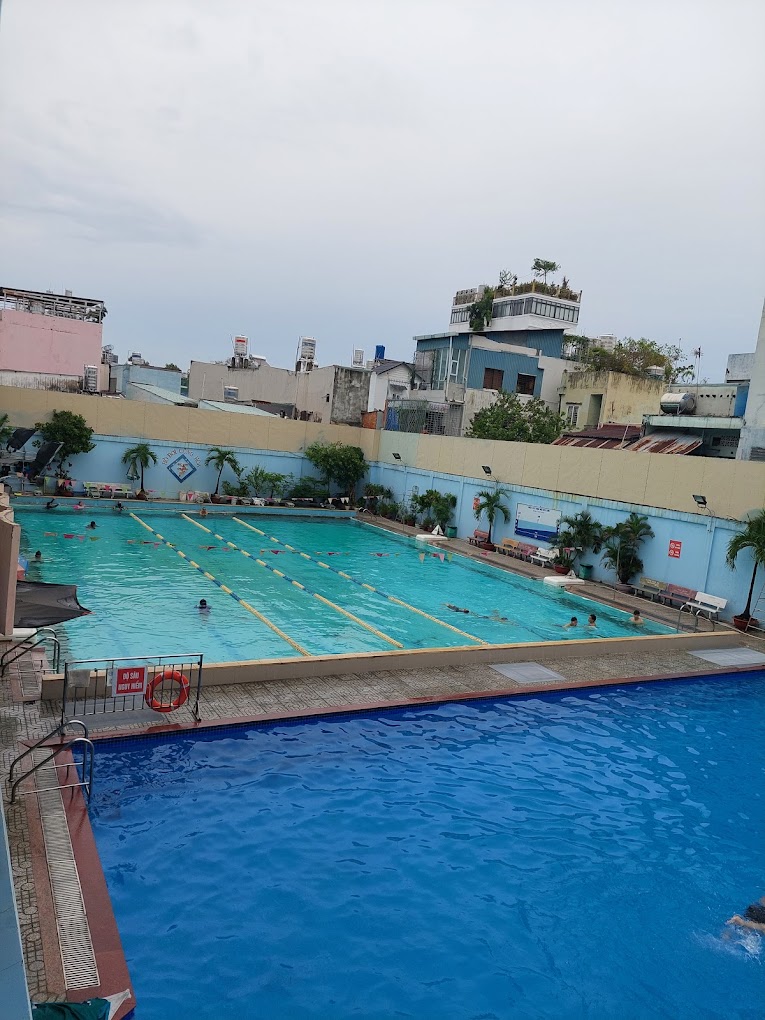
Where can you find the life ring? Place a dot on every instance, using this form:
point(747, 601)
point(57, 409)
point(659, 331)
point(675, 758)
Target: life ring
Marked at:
point(159, 678)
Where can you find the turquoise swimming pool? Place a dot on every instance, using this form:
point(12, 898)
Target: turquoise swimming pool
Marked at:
point(329, 586)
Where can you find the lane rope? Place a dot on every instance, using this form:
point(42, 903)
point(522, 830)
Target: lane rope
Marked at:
point(224, 588)
point(362, 584)
point(302, 587)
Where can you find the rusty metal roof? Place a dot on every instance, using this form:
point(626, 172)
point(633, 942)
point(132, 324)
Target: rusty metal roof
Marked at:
point(606, 437)
point(666, 442)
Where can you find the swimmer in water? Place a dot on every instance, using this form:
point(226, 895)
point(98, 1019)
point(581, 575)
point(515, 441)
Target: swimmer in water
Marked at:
point(51, 504)
point(118, 508)
point(637, 619)
point(203, 607)
point(573, 622)
point(754, 917)
point(455, 609)
point(38, 557)
point(592, 621)
point(92, 525)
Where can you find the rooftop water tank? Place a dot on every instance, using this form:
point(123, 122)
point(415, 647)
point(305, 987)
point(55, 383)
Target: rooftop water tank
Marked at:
point(678, 403)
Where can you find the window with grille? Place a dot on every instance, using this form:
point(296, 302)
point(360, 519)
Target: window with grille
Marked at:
point(526, 384)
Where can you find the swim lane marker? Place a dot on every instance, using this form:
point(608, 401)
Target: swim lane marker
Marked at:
point(298, 584)
point(361, 584)
point(228, 591)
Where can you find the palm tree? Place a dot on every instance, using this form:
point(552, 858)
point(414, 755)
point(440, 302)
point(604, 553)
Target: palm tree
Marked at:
point(139, 457)
point(220, 459)
point(752, 537)
point(621, 543)
point(582, 532)
point(490, 503)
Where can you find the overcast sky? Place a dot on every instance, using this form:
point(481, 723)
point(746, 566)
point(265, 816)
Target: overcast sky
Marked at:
point(338, 168)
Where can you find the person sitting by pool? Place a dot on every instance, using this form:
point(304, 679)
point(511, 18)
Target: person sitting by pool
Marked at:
point(754, 917)
point(455, 609)
point(203, 607)
point(592, 621)
point(51, 504)
point(637, 619)
point(79, 505)
point(118, 508)
point(573, 622)
point(92, 525)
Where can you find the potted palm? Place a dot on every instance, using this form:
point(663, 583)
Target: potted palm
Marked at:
point(620, 548)
point(563, 560)
point(583, 533)
point(490, 504)
point(138, 458)
point(221, 459)
point(752, 537)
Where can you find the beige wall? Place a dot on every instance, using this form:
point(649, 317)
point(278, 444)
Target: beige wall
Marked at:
point(10, 536)
point(650, 479)
point(625, 398)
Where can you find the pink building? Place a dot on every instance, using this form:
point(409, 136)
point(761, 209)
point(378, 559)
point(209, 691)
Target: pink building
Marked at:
point(46, 340)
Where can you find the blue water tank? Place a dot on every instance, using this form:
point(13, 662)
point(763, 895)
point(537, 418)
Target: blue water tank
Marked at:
point(742, 393)
point(380, 352)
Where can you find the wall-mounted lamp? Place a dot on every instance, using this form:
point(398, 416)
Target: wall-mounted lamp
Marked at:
point(701, 501)
point(486, 469)
point(396, 456)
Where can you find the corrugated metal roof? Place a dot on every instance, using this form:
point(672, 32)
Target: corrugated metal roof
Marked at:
point(161, 394)
point(605, 437)
point(220, 405)
point(663, 442)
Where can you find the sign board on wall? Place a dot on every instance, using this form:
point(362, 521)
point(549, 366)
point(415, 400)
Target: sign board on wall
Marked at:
point(675, 548)
point(537, 522)
point(182, 463)
point(127, 680)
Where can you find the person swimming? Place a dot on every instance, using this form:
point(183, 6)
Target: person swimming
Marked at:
point(637, 619)
point(79, 505)
point(573, 622)
point(592, 621)
point(51, 504)
point(203, 607)
point(118, 508)
point(38, 557)
point(754, 917)
point(455, 609)
point(92, 525)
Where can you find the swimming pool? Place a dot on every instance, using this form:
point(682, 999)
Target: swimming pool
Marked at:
point(144, 595)
point(562, 855)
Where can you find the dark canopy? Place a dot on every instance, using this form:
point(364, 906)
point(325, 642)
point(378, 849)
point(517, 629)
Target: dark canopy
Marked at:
point(41, 605)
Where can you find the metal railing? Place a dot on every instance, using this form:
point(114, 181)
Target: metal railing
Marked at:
point(121, 686)
point(48, 736)
point(25, 645)
point(84, 779)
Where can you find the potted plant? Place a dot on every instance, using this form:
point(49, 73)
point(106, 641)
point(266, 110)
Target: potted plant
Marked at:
point(563, 560)
point(490, 504)
point(427, 524)
point(752, 537)
point(620, 548)
point(138, 458)
point(583, 532)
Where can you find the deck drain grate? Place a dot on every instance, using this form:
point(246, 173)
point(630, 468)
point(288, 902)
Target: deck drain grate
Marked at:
point(732, 656)
point(527, 672)
point(77, 956)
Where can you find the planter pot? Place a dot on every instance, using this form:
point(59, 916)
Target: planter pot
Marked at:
point(744, 622)
point(488, 546)
point(626, 588)
point(559, 569)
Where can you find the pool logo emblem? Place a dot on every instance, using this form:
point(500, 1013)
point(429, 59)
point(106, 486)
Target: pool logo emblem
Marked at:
point(181, 468)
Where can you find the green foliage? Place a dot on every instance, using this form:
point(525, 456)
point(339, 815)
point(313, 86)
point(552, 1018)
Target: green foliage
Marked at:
point(268, 483)
point(512, 421)
point(435, 505)
point(69, 429)
point(344, 465)
point(621, 543)
point(541, 267)
point(6, 429)
point(580, 533)
point(480, 311)
point(753, 538)
point(240, 488)
point(138, 458)
point(171, 365)
point(309, 488)
point(490, 504)
point(636, 357)
point(373, 489)
point(220, 459)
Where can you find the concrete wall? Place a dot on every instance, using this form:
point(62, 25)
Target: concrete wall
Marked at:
point(379, 389)
point(739, 368)
point(49, 344)
point(10, 536)
point(43, 381)
point(626, 398)
point(278, 385)
point(350, 395)
point(164, 378)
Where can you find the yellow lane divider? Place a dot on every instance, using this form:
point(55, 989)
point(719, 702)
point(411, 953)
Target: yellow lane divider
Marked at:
point(224, 588)
point(302, 587)
point(362, 584)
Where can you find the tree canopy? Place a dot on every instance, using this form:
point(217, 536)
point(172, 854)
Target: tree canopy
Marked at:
point(510, 420)
point(69, 429)
point(344, 465)
point(541, 267)
point(220, 458)
point(634, 357)
point(139, 458)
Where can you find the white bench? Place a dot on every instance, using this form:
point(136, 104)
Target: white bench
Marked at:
point(542, 556)
point(705, 605)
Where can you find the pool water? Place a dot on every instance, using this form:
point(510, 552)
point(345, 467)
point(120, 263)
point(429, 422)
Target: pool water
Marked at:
point(144, 596)
point(551, 856)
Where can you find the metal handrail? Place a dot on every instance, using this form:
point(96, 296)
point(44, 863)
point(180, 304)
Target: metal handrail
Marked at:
point(27, 644)
point(87, 765)
point(33, 747)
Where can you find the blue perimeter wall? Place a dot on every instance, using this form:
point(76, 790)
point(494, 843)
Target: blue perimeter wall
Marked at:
point(701, 565)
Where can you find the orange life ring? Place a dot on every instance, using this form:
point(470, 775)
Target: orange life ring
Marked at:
point(159, 678)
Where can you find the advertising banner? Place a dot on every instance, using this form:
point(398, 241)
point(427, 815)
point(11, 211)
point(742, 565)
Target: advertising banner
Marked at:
point(537, 522)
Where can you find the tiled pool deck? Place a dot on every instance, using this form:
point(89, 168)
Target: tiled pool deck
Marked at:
point(22, 719)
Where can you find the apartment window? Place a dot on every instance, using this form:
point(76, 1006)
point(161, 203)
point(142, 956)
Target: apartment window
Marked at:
point(526, 384)
point(492, 378)
point(461, 315)
point(572, 414)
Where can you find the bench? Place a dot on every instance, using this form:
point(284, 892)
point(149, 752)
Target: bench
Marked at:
point(543, 557)
point(509, 547)
point(525, 551)
point(675, 593)
point(649, 587)
point(705, 605)
point(479, 537)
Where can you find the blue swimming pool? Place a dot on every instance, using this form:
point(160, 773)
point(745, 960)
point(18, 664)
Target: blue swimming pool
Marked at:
point(304, 576)
point(563, 855)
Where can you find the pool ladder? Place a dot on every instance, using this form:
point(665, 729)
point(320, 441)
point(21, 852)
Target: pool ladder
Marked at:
point(25, 645)
point(49, 764)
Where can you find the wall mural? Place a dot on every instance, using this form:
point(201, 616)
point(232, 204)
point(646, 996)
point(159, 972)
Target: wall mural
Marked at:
point(182, 464)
